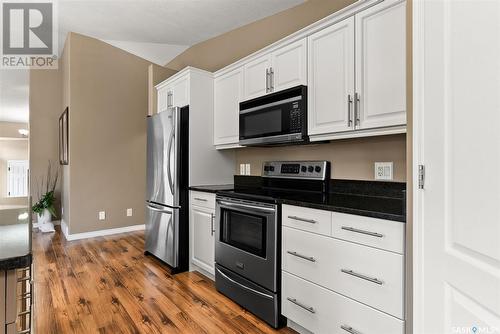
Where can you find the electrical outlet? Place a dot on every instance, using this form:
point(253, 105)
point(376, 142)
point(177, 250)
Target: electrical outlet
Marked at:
point(247, 169)
point(102, 215)
point(242, 169)
point(129, 212)
point(383, 170)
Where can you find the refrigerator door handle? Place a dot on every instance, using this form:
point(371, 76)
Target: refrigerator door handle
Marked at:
point(153, 208)
point(169, 152)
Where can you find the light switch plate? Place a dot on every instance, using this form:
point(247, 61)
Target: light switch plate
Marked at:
point(129, 212)
point(384, 170)
point(102, 215)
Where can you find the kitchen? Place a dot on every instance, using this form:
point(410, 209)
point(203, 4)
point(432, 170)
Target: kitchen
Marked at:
point(293, 175)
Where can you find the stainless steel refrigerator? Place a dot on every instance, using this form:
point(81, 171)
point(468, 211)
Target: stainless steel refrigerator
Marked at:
point(167, 235)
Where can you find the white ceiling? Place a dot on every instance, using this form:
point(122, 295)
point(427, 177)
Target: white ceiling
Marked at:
point(156, 30)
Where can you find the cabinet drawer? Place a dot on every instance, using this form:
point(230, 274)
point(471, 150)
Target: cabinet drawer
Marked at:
point(206, 200)
point(371, 276)
point(379, 233)
point(312, 220)
point(322, 311)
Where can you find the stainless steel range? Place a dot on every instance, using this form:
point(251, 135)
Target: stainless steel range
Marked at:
point(248, 234)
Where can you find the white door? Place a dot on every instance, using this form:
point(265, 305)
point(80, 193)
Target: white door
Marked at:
point(331, 79)
point(381, 64)
point(203, 240)
point(289, 66)
point(228, 92)
point(256, 80)
point(180, 92)
point(17, 178)
point(457, 138)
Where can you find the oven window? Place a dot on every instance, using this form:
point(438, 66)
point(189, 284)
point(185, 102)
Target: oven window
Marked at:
point(262, 123)
point(244, 231)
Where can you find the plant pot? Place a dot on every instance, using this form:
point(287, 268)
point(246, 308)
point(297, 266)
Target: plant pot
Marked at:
point(45, 221)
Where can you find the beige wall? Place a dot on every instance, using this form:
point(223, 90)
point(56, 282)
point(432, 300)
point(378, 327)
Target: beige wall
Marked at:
point(223, 50)
point(350, 158)
point(45, 109)
point(11, 129)
point(108, 100)
point(11, 150)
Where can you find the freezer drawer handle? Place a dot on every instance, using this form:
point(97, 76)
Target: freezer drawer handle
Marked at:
point(355, 230)
point(312, 221)
point(308, 258)
point(243, 286)
point(158, 209)
point(201, 199)
point(367, 278)
point(349, 329)
point(299, 304)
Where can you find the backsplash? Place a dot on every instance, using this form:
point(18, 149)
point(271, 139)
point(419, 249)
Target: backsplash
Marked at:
point(351, 158)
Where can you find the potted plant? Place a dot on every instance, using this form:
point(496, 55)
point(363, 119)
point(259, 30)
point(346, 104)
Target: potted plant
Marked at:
point(45, 208)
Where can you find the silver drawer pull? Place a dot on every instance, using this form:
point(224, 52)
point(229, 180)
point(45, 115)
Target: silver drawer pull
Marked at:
point(299, 304)
point(308, 258)
point(349, 329)
point(201, 199)
point(355, 230)
point(312, 221)
point(368, 278)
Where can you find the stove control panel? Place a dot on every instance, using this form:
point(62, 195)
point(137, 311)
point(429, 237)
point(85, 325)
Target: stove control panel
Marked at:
point(314, 170)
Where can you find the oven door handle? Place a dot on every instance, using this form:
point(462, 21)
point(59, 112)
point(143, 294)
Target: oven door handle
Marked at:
point(243, 286)
point(246, 206)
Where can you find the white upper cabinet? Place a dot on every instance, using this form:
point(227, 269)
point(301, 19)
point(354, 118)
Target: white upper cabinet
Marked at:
point(289, 66)
point(162, 99)
point(228, 92)
point(257, 77)
point(381, 65)
point(180, 92)
point(331, 79)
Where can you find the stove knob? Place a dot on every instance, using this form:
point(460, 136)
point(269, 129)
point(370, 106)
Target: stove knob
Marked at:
point(310, 169)
point(266, 168)
point(317, 169)
point(303, 169)
point(271, 168)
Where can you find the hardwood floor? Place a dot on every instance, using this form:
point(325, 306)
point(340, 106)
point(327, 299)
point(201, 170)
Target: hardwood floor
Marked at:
point(107, 285)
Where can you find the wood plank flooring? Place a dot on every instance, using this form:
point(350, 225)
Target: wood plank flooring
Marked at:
point(107, 285)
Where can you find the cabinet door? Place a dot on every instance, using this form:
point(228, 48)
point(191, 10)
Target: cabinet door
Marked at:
point(256, 81)
point(331, 79)
point(228, 92)
point(289, 66)
point(381, 65)
point(162, 97)
point(180, 91)
point(202, 238)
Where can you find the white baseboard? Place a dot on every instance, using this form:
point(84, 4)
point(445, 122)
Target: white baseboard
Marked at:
point(99, 233)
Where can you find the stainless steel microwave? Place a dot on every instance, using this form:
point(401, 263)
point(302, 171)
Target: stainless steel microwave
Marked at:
point(275, 119)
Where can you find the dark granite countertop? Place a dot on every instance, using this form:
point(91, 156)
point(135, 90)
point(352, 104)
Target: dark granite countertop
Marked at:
point(15, 239)
point(213, 188)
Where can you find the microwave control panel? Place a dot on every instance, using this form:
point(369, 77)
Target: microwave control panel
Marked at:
point(295, 118)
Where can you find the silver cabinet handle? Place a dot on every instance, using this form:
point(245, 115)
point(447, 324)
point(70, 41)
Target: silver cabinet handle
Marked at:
point(355, 230)
point(308, 258)
point(267, 80)
point(212, 219)
point(299, 304)
point(349, 329)
point(349, 105)
point(271, 79)
point(357, 119)
point(312, 221)
point(201, 199)
point(358, 275)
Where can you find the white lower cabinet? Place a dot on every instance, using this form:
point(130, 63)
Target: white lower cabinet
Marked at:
point(342, 273)
point(322, 311)
point(202, 231)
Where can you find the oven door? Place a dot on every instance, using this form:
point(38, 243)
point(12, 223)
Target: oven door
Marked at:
point(246, 240)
